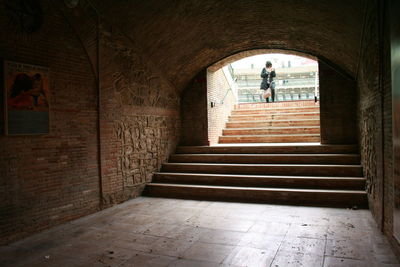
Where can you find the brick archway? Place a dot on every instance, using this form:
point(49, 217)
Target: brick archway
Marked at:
point(254, 52)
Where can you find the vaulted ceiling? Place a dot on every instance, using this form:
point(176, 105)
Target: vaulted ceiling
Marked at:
point(185, 36)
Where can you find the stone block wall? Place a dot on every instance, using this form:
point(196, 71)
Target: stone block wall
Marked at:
point(220, 94)
point(49, 179)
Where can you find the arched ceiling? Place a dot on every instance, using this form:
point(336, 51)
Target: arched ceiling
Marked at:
point(185, 36)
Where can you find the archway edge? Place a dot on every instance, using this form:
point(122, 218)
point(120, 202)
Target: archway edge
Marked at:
point(259, 51)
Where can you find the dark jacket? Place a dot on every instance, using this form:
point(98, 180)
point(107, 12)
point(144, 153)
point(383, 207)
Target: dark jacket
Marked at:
point(268, 78)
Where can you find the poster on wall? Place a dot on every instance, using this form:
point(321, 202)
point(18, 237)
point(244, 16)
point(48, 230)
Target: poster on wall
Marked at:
point(26, 99)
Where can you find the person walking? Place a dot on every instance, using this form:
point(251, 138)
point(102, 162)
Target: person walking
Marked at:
point(268, 74)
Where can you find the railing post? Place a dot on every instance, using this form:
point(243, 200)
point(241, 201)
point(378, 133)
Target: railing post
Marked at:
point(316, 94)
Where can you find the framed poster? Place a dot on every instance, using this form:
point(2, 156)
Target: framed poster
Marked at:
point(26, 99)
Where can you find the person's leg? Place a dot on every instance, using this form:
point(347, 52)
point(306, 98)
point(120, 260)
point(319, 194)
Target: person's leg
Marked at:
point(273, 95)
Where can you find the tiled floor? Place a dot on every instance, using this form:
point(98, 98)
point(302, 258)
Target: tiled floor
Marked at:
point(168, 232)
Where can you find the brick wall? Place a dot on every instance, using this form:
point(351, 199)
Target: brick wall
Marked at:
point(337, 106)
point(201, 123)
point(49, 179)
point(184, 37)
point(390, 181)
point(375, 116)
point(370, 111)
point(219, 92)
point(391, 119)
point(139, 117)
point(194, 115)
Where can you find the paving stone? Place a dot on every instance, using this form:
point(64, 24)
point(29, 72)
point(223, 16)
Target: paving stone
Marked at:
point(344, 238)
point(208, 252)
point(245, 256)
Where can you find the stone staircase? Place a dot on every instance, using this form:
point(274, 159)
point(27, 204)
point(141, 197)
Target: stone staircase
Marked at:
point(296, 174)
point(316, 175)
point(279, 122)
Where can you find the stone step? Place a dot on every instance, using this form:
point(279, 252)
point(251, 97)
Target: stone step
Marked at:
point(279, 110)
point(331, 198)
point(277, 138)
point(346, 183)
point(266, 169)
point(267, 158)
point(272, 130)
point(277, 116)
point(298, 103)
point(269, 149)
point(273, 123)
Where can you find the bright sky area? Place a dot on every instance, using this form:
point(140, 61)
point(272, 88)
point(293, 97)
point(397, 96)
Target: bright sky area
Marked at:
point(278, 61)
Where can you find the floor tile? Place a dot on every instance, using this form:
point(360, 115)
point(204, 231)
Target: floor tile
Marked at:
point(147, 260)
point(348, 248)
point(192, 263)
point(321, 220)
point(170, 247)
point(218, 223)
point(303, 245)
point(77, 247)
point(243, 215)
point(347, 232)
point(342, 262)
point(139, 242)
point(59, 261)
point(221, 237)
point(208, 252)
point(277, 218)
point(289, 259)
point(186, 232)
point(159, 229)
point(307, 230)
point(16, 256)
point(270, 228)
point(261, 241)
point(214, 212)
point(177, 217)
point(232, 225)
point(245, 256)
point(113, 256)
